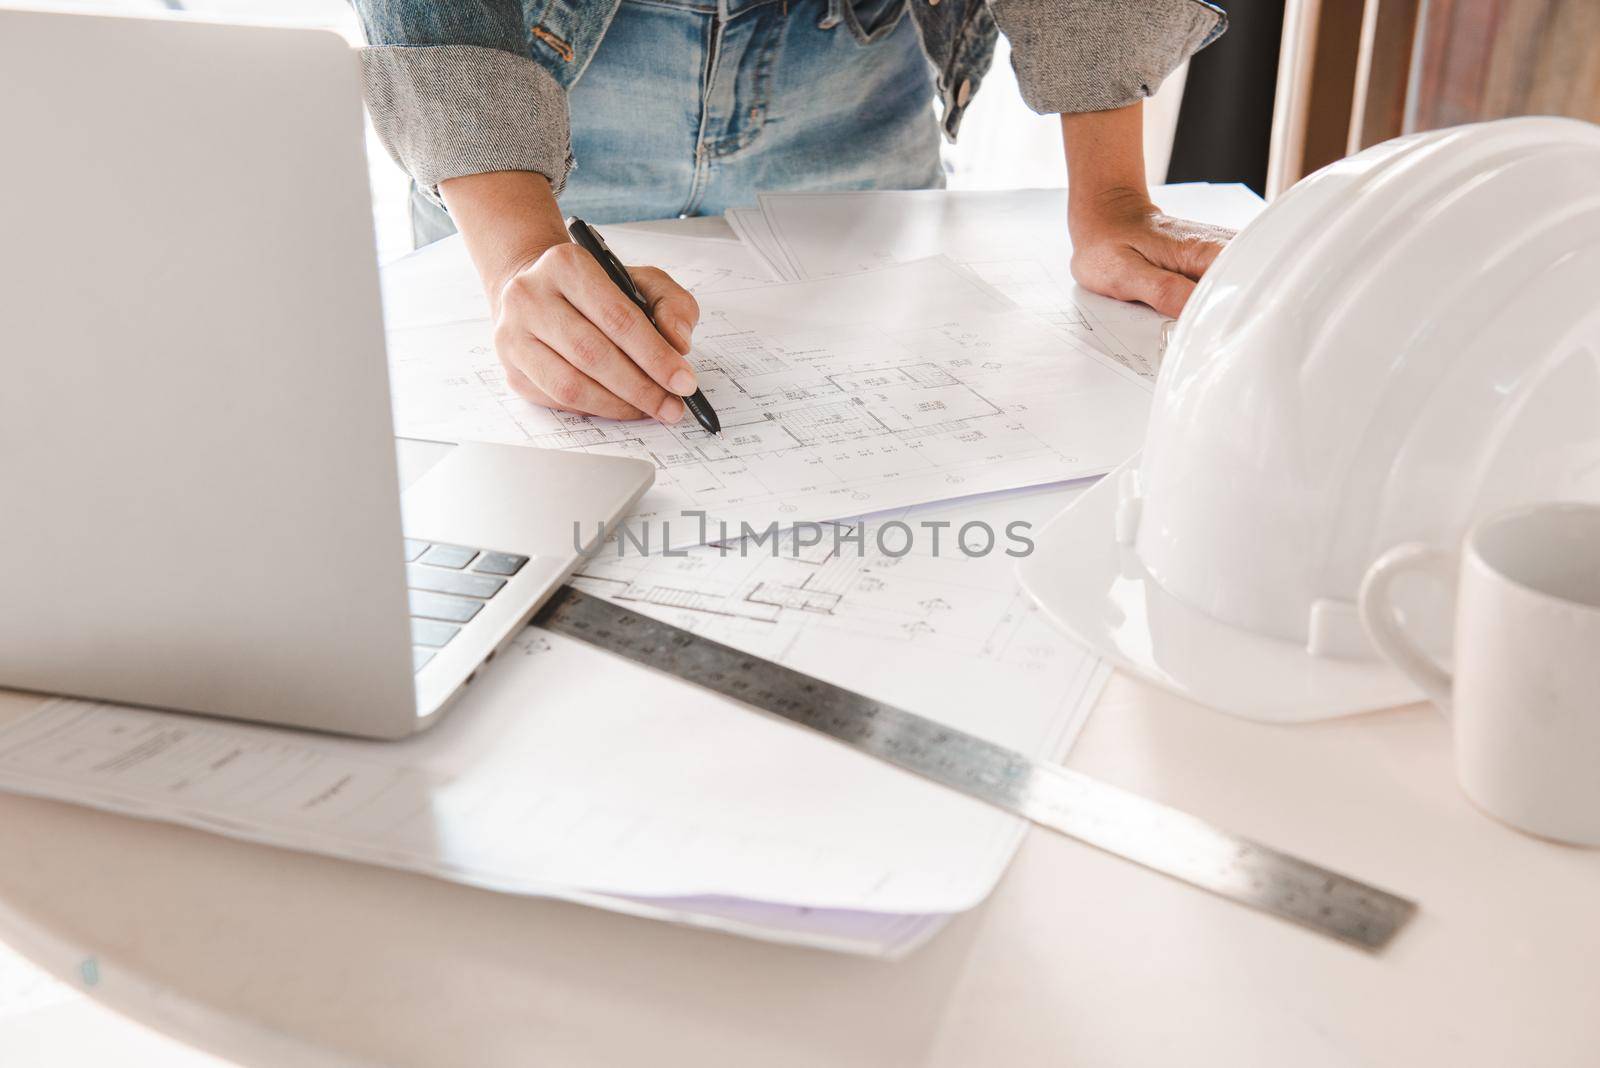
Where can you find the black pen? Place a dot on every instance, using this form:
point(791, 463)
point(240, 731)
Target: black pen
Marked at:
point(590, 239)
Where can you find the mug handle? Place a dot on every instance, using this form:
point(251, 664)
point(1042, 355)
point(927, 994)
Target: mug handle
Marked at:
point(1383, 624)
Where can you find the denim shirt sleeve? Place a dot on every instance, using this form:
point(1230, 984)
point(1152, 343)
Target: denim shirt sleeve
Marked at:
point(453, 91)
point(1093, 55)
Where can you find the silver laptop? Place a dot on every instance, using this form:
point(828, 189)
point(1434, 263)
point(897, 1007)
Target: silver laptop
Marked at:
point(200, 504)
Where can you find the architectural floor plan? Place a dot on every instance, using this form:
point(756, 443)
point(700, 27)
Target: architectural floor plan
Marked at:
point(1015, 240)
point(933, 581)
point(925, 385)
point(553, 775)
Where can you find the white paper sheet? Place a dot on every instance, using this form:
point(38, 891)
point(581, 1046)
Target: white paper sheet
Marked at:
point(825, 234)
point(438, 284)
point(751, 227)
point(1015, 240)
point(839, 397)
point(568, 773)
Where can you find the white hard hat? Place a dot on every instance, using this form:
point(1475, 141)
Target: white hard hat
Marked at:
point(1405, 341)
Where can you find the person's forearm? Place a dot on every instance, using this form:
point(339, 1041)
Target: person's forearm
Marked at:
point(566, 333)
point(1122, 245)
point(456, 87)
point(507, 219)
point(1105, 157)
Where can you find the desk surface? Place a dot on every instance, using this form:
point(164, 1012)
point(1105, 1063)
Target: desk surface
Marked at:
point(270, 957)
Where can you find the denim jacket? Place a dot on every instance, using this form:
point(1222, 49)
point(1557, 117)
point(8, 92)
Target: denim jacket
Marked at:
point(461, 87)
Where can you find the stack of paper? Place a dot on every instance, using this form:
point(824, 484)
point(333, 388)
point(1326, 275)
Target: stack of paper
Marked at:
point(892, 375)
point(566, 773)
point(1016, 240)
point(913, 383)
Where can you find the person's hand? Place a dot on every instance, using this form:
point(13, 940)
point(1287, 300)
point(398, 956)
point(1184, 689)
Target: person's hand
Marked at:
point(569, 338)
point(1124, 247)
point(566, 335)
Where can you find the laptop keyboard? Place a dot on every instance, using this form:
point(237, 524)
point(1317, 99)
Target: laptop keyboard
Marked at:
point(448, 586)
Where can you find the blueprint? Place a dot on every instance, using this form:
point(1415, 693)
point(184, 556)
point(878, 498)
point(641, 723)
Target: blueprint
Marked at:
point(438, 284)
point(565, 772)
point(822, 234)
point(1131, 334)
point(807, 598)
point(750, 225)
point(1015, 240)
point(837, 397)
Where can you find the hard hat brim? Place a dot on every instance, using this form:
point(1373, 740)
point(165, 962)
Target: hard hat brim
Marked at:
point(1099, 592)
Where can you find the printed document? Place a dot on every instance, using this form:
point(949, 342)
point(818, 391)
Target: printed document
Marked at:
point(1016, 240)
point(438, 284)
point(838, 397)
point(567, 772)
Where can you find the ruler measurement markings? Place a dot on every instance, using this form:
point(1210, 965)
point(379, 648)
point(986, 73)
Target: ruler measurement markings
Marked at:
point(1146, 832)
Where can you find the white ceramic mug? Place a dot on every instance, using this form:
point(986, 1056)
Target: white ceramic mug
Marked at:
point(1525, 693)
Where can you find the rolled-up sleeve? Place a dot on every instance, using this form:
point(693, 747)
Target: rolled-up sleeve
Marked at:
point(1093, 55)
point(453, 92)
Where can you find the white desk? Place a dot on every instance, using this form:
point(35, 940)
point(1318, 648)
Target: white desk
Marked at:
point(269, 957)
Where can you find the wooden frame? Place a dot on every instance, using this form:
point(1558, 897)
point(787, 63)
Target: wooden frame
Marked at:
point(1316, 88)
point(1347, 81)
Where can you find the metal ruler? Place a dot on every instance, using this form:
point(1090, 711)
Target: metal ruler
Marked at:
point(1143, 831)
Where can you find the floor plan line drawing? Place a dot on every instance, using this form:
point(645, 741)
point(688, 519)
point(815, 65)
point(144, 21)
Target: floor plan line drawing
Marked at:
point(549, 778)
point(437, 283)
point(842, 585)
point(1015, 240)
point(919, 384)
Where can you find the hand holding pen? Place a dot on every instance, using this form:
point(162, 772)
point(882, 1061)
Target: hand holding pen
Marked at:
point(566, 335)
point(591, 241)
